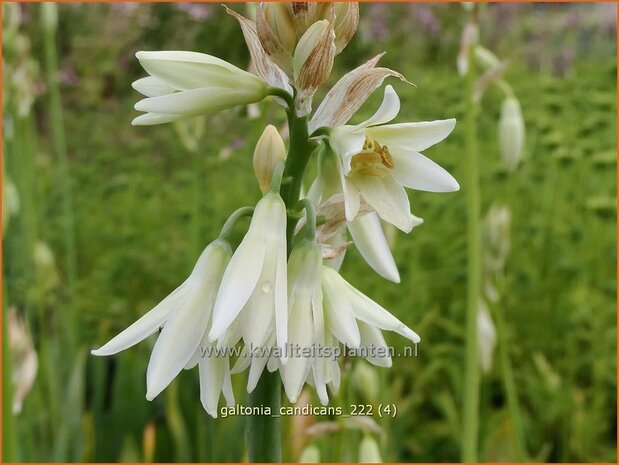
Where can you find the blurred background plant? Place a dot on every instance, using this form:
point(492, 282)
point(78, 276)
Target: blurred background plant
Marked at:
point(136, 194)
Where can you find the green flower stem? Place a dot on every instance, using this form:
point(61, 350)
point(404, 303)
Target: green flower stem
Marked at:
point(264, 431)
point(237, 215)
point(60, 149)
point(296, 162)
point(470, 415)
point(508, 381)
point(310, 225)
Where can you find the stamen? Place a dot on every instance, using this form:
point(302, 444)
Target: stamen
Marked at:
point(373, 160)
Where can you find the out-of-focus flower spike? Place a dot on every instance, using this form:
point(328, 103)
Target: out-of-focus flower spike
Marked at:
point(486, 58)
point(469, 38)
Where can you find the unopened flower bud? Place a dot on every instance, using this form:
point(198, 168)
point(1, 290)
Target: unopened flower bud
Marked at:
point(497, 239)
point(305, 14)
point(486, 336)
point(313, 61)
point(511, 132)
point(188, 84)
point(346, 22)
point(270, 149)
point(277, 33)
point(368, 450)
point(469, 38)
point(486, 58)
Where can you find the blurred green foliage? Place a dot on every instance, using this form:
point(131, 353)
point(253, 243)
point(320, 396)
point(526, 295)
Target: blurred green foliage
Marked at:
point(145, 206)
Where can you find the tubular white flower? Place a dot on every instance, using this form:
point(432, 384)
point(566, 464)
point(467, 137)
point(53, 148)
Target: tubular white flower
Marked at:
point(185, 84)
point(365, 230)
point(341, 299)
point(253, 289)
point(377, 161)
point(305, 324)
point(185, 315)
point(325, 312)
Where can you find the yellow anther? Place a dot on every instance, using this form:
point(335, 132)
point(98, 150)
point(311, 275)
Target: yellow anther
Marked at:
point(373, 160)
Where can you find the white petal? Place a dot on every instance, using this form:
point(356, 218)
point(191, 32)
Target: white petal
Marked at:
point(349, 93)
point(412, 136)
point(152, 87)
point(268, 301)
point(371, 337)
point(370, 312)
point(150, 119)
point(169, 58)
point(242, 363)
point(145, 326)
point(238, 283)
point(387, 111)
point(227, 385)
point(319, 363)
point(388, 198)
point(255, 371)
point(339, 316)
point(370, 240)
point(191, 70)
point(177, 343)
point(281, 299)
point(245, 267)
point(195, 358)
point(193, 102)
point(301, 336)
point(352, 199)
point(346, 143)
point(416, 171)
point(183, 331)
point(212, 372)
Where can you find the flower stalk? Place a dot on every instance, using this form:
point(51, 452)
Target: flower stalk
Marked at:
point(472, 190)
point(263, 431)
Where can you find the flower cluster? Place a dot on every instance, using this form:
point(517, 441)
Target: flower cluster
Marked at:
point(281, 286)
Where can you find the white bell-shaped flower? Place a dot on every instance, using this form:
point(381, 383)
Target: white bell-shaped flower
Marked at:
point(186, 84)
point(252, 297)
point(378, 161)
point(185, 316)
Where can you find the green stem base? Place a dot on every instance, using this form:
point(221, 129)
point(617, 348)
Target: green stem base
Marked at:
point(264, 430)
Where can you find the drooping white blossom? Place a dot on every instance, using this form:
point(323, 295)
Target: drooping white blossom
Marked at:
point(185, 84)
point(185, 316)
point(252, 298)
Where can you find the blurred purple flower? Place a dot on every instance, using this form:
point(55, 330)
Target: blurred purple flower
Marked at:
point(196, 11)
